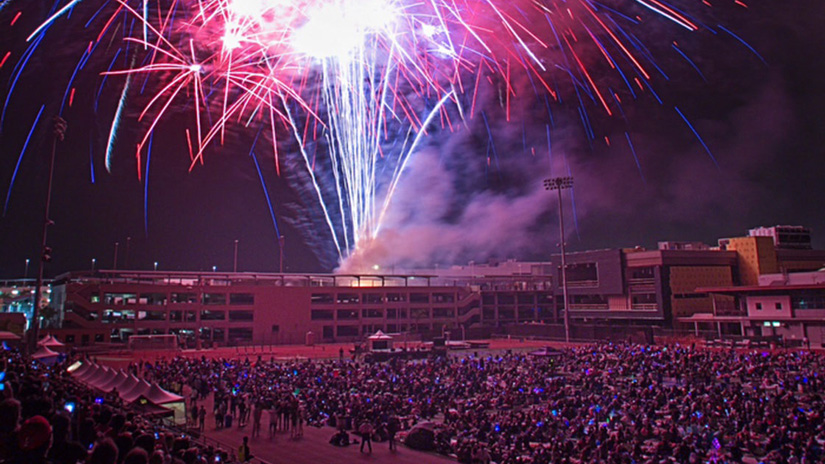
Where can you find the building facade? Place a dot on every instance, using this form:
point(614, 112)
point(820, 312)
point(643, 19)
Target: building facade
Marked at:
point(669, 288)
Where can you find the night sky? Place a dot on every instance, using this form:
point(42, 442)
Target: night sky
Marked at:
point(470, 194)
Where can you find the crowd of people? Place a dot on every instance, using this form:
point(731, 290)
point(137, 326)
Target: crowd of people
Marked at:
point(604, 403)
point(46, 417)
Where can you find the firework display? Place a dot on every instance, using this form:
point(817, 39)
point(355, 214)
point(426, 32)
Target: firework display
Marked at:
point(353, 85)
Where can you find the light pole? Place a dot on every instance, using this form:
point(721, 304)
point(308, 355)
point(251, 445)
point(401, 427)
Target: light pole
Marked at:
point(156, 265)
point(128, 246)
point(558, 184)
point(235, 261)
point(114, 264)
point(26, 270)
point(281, 249)
point(94, 261)
point(58, 131)
point(214, 268)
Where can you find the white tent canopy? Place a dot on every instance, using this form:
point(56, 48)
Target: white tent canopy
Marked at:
point(50, 341)
point(139, 389)
point(101, 376)
point(116, 380)
point(44, 352)
point(160, 396)
point(379, 336)
point(127, 384)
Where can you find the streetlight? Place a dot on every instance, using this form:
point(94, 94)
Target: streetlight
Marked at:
point(58, 131)
point(558, 184)
point(214, 268)
point(156, 265)
point(114, 265)
point(94, 261)
point(235, 262)
point(128, 246)
point(26, 271)
point(281, 250)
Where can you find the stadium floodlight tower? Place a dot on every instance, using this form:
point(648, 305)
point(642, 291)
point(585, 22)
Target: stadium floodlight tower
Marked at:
point(558, 184)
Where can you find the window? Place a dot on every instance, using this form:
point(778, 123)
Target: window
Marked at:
point(506, 298)
point(189, 298)
point(759, 306)
point(526, 299)
point(419, 313)
point(419, 298)
point(95, 298)
point(241, 299)
point(526, 314)
point(373, 298)
point(443, 297)
point(181, 316)
point(391, 314)
point(69, 338)
point(276, 329)
point(151, 315)
point(779, 306)
point(322, 315)
point(813, 299)
point(372, 313)
point(214, 298)
point(347, 314)
point(213, 315)
point(119, 298)
point(348, 331)
point(240, 334)
point(328, 332)
point(241, 315)
point(112, 316)
point(322, 298)
point(98, 338)
point(443, 312)
point(153, 298)
point(506, 313)
point(642, 273)
point(582, 272)
point(348, 298)
point(396, 297)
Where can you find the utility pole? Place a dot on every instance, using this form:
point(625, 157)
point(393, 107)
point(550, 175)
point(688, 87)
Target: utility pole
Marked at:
point(281, 249)
point(558, 184)
point(235, 261)
point(58, 132)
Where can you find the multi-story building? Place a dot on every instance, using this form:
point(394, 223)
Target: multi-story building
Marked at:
point(667, 287)
point(785, 237)
point(790, 306)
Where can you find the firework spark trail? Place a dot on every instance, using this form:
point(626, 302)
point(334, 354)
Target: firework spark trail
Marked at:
point(348, 76)
point(20, 158)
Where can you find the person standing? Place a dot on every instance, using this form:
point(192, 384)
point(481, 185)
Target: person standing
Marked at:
point(366, 430)
point(392, 428)
point(241, 413)
point(201, 418)
point(273, 419)
point(244, 454)
point(256, 419)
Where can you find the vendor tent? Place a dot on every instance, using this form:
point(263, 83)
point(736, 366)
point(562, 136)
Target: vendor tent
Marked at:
point(169, 400)
point(379, 341)
point(140, 388)
point(51, 342)
point(117, 379)
point(45, 355)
